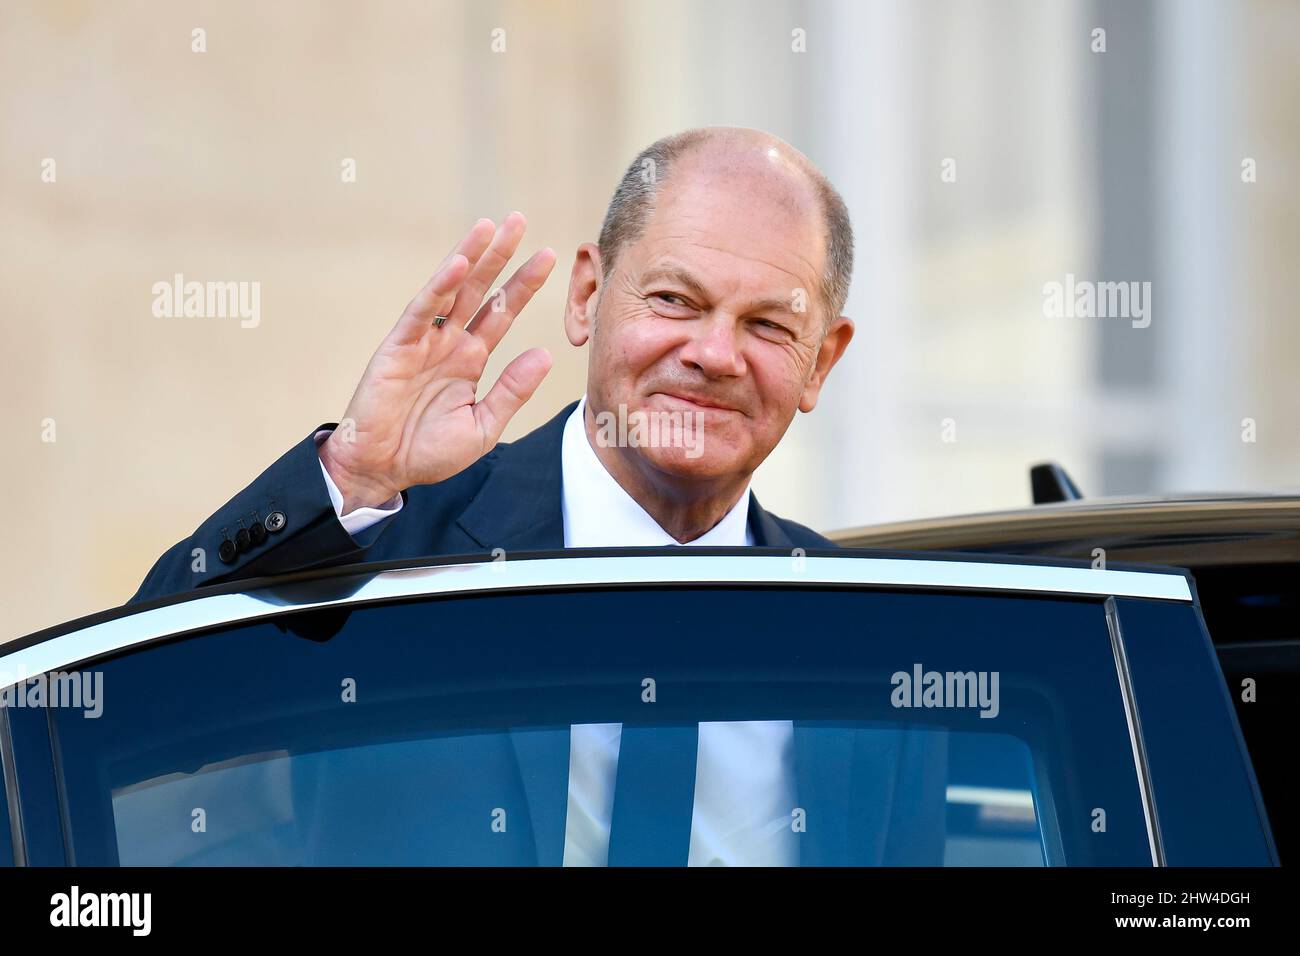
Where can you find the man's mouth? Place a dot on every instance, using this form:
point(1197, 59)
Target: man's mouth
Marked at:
point(699, 401)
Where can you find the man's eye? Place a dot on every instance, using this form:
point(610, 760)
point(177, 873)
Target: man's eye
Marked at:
point(773, 325)
point(668, 295)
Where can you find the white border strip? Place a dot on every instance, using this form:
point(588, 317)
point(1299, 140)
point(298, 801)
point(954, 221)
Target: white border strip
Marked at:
point(202, 612)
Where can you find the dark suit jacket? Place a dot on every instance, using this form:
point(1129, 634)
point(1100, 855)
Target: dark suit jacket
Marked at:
point(508, 499)
point(860, 793)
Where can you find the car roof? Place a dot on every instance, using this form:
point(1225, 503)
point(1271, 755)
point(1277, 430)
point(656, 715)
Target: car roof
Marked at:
point(1186, 530)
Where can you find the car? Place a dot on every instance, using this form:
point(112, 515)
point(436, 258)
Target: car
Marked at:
point(1241, 549)
point(937, 709)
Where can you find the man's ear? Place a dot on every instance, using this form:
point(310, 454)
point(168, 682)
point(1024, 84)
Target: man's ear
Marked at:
point(835, 342)
point(584, 284)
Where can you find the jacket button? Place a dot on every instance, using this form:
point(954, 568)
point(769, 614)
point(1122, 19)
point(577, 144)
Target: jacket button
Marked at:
point(242, 542)
point(257, 534)
point(227, 551)
point(275, 522)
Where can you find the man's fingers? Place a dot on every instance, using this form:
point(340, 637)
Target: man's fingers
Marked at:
point(475, 241)
point(516, 385)
point(431, 301)
point(493, 319)
point(487, 268)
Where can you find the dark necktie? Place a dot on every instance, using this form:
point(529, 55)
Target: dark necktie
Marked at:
point(654, 794)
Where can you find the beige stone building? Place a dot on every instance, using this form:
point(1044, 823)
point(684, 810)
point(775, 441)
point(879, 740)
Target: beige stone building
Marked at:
point(985, 150)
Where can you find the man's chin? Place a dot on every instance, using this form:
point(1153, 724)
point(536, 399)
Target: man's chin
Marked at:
point(697, 463)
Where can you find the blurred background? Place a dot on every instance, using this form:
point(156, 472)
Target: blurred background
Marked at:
point(985, 149)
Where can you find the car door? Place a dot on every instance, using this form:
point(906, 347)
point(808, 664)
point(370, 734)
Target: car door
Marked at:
point(611, 708)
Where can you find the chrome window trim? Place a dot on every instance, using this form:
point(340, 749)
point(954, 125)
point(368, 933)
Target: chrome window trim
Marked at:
point(9, 783)
point(202, 612)
point(1154, 839)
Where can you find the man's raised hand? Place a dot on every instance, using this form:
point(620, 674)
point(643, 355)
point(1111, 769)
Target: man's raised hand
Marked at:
point(413, 419)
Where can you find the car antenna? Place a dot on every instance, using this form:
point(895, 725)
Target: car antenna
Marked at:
point(1049, 483)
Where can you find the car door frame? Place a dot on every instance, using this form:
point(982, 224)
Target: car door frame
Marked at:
point(37, 809)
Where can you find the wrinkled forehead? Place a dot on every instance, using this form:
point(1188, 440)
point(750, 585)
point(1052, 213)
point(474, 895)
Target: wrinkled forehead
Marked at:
point(747, 224)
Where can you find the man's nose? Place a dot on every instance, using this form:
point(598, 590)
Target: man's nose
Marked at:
point(713, 348)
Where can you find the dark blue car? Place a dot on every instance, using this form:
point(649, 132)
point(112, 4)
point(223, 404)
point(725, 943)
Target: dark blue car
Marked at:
point(929, 710)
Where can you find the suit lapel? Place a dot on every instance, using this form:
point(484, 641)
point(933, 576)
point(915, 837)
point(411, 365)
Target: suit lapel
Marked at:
point(518, 506)
point(542, 756)
point(823, 756)
point(767, 533)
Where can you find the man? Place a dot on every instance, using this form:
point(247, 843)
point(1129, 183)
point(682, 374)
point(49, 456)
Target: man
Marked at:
point(711, 302)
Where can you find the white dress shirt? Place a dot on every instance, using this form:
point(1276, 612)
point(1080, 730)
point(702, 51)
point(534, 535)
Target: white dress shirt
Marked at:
point(358, 519)
point(744, 775)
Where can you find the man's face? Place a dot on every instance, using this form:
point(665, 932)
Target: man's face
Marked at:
point(714, 313)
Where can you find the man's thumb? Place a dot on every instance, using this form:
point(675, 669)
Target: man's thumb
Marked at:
point(516, 385)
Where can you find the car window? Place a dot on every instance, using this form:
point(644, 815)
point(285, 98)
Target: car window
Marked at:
point(895, 728)
point(1253, 615)
point(6, 831)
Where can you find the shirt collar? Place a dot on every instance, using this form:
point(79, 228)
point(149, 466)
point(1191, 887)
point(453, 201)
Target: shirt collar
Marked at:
point(598, 513)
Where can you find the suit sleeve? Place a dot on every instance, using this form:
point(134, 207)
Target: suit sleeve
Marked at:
point(300, 530)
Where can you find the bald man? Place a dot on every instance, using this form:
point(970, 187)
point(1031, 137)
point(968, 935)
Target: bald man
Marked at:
point(711, 303)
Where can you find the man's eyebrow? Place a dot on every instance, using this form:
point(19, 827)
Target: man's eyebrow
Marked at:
point(678, 274)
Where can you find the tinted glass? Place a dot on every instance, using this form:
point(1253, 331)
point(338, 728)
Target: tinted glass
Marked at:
point(666, 725)
point(6, 833)
point(1253, 613)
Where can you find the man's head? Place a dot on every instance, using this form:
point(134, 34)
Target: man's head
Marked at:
point(715, 290)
